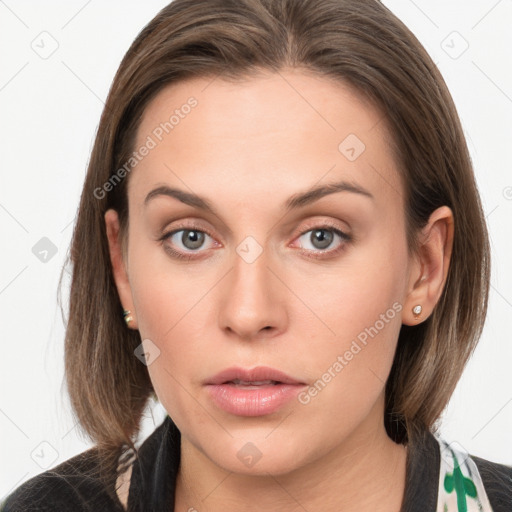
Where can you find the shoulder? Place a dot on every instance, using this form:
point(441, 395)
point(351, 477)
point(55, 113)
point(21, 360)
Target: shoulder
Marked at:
point(497, 480)
point(72, 485)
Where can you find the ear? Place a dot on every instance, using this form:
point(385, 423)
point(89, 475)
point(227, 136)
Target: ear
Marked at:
point(430, 266)
point(119, 265)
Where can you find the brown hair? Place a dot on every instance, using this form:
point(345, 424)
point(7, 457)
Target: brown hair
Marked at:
point(357, 42)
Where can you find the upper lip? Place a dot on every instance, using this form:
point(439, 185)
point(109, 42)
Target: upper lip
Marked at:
point(258, 373)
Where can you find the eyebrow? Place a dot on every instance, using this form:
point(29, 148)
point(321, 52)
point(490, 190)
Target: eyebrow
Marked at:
point(294, 202)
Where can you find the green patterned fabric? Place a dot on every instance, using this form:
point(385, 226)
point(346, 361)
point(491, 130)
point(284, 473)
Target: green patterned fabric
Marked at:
point(460, 486)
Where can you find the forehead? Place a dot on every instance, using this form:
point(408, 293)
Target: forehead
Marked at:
point(274, 131)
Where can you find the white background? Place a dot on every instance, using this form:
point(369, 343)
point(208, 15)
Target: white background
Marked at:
point(50, 111)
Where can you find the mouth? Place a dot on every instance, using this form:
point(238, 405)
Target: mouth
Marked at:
point(252, 385)
point(259, 376)
point(255, 392)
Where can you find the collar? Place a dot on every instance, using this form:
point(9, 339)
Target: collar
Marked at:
point(155, 469)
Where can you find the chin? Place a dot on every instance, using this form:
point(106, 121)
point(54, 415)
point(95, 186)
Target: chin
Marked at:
point(259, 454)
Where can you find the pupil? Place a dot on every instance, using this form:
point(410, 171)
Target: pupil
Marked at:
point(319, 236)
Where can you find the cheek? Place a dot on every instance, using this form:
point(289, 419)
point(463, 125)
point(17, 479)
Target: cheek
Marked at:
point(360, 311)
point(161, 292)
point(165, 309)
point(170, 305)
point(364, 291)
point(349, 373)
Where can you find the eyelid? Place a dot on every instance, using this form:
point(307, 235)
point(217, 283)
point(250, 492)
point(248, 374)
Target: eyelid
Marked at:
point(322, 223)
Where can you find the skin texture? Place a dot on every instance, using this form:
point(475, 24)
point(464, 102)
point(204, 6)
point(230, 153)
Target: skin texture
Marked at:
point(247, 147)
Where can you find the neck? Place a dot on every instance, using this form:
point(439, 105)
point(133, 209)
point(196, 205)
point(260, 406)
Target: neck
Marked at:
point(365, 472)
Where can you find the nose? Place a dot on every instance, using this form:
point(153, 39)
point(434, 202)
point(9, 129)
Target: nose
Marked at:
point(252, 302)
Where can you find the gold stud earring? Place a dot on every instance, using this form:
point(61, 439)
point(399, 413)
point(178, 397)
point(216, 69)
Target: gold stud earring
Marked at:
point(127, 314)
point(416, 310)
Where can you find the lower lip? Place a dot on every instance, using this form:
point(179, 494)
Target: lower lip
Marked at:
point(252, 400)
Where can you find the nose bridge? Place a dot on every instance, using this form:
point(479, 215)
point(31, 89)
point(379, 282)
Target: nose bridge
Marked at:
point(249, 301)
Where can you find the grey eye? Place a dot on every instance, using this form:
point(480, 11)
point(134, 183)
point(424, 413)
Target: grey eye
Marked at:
point(320, 238)
point(191, 239)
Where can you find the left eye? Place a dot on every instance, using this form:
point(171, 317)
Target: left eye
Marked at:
point(191, 239)
point(322, 237)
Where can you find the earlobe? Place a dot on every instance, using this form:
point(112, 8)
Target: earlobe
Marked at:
point(119, 269)
point(430, 269)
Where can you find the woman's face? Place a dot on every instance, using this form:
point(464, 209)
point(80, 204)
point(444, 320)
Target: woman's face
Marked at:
point(311, 284)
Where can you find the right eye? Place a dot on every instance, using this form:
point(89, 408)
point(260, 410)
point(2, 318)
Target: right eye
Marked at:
point(188, 241)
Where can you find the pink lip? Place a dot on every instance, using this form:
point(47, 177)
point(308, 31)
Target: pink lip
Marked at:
point(253, 374)
point(255, 400)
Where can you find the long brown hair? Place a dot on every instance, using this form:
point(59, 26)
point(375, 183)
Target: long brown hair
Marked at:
point(357, 42)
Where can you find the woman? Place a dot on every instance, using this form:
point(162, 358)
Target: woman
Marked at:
point(281, 239)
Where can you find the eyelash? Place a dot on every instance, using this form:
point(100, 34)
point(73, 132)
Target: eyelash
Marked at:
point(319, 254)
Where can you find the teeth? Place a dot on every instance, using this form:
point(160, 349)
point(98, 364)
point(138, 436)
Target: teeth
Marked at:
point(254, 383)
